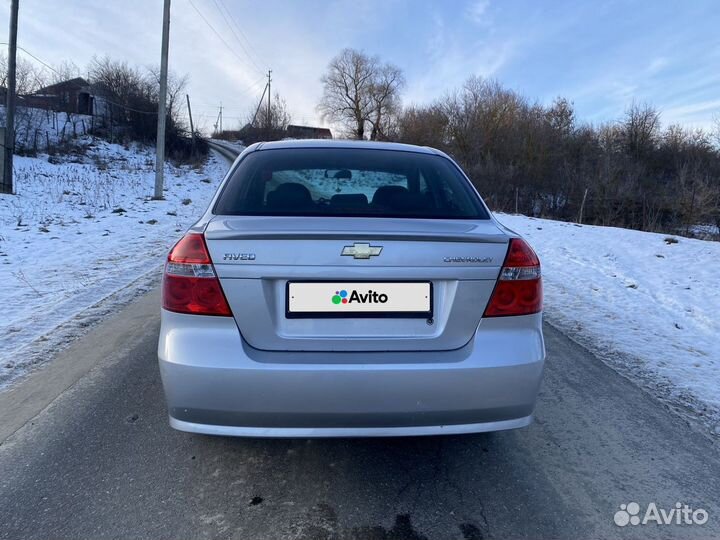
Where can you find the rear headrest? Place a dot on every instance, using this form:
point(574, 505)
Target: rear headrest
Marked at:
point(389, 196)
point(350, 200)
point(399, 199)
point(289, 195)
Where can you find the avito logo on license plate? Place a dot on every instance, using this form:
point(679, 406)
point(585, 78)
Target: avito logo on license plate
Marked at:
point(359, 299)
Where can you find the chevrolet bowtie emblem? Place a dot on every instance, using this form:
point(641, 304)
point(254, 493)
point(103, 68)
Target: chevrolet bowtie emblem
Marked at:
point(361, 251)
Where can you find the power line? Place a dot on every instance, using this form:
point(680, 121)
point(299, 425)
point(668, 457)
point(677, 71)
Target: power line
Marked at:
point(36, 58)
point(252, 87)
point(232, 30)
point(218, 35)
point(247, 90)
point(239, 29)
point(127, 108)
point(103, 97)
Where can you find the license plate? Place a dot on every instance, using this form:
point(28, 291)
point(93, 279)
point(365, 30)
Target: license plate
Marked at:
point(355, 299)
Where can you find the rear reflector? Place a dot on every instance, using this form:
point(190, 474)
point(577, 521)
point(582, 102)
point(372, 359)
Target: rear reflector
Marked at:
point(519, 287)
point(190, 284)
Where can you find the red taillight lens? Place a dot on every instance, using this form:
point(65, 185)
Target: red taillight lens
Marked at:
point(519, 287)
point(190, 284)
point(520, 254)
point(515, 298)
point(191, 249)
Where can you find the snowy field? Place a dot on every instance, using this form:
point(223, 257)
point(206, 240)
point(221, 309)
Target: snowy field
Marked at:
point(81, 237)
point(647, 306)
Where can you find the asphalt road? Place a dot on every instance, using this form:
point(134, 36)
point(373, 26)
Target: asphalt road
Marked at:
point(87, 453)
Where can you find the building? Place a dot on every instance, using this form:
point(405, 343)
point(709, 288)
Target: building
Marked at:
point(72, 96)
point(250, 134)
point(308, 132)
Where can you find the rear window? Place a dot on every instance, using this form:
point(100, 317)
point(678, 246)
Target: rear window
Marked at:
point(348, 182)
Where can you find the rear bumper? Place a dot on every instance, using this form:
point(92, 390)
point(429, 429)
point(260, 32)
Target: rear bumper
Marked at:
point(216, 384)
point(410, 431)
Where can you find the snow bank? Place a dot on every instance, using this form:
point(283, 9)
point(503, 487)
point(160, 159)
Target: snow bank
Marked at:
point(78, 233)
point(646, 305)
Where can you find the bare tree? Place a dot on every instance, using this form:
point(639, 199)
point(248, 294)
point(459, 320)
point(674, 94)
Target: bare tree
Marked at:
point(359, 90)
point(424, 125)
point(28, 77)
point(642, 127)
point(132, 98)
point(118, 81)
point(629, 173)
point(347, 90)
point(561, 116)
point(385, 104)
point(64, 71)
point(176, 85)
point(279, 115)
point(716, 130)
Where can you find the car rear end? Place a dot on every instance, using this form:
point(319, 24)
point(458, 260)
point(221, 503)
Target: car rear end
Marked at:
point(349, 290)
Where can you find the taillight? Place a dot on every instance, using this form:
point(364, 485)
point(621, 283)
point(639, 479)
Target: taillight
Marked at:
point(190, 284)
point(519, 287)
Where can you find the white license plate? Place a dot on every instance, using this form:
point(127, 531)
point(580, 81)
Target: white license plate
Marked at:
point(359, 299)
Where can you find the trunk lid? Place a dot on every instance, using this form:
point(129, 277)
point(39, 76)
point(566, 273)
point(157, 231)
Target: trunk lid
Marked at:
point(256, 257)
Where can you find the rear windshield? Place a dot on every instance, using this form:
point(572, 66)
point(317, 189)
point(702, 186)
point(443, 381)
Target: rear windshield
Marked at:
point(348, 182)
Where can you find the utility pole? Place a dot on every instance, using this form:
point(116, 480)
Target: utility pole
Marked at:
point(192, 128)
point(218, 122)
point(269, 120)
point(252, 124)
point(6, 185)
point(160, 146)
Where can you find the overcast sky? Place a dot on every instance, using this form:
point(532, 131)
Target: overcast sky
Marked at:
point(599, 54)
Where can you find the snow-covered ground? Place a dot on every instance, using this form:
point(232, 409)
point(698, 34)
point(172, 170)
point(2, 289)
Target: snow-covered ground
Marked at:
point(646, 305)
point(82, 236)
point(705, 232)
point(36, 129)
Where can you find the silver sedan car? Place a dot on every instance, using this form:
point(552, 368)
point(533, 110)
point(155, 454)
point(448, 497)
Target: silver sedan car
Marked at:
point(349, 289)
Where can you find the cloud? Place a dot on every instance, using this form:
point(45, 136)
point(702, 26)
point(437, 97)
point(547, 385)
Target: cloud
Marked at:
point(657, 65)
point(477, 11)
point(693, 112)
point(592, 53)
point(452, 59)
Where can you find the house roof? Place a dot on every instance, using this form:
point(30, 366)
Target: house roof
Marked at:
point(308, 128)
point(76, 83)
